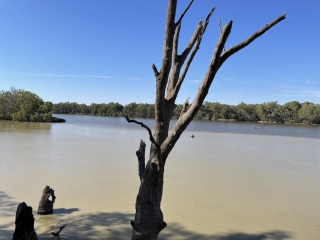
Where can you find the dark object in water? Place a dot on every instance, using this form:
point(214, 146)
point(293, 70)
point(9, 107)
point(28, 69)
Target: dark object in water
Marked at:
point(192, 136)
point(24, 223)
point(12, 122)
point(45, 204)
point(60, 225)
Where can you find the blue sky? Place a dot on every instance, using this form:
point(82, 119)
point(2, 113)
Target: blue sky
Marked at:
point(101, 51)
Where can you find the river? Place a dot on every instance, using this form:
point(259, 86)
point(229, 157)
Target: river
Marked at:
point(231, 181)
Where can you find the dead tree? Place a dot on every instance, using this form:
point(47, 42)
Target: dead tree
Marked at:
point(45, 204)
point(24, 223)
point(148, 221)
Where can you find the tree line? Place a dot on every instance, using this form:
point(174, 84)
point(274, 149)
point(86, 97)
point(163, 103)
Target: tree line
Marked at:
point(24, 106)
point(21, 105)
point(290, 112)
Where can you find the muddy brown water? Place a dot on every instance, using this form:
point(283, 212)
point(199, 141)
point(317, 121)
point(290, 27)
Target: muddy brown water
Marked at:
point(232, 181)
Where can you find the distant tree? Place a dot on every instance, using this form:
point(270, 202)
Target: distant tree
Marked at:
point(148, 221)
point(309, 112)
point(291, 112)
point(262, 112)
point(8, 103)
point(246, 112)
point(115, 109)
point(215, 109)
point(271, 113)
point(29, 104)
point(94, 108)
point(130, 109)
point(46, 107)
point(83, 109)
point(150, 111)
point(21, 105)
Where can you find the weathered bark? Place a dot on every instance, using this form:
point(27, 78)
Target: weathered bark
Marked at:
point(45, 204)
point(24, 223)
point(148, 220)
point(141, 158)
point(184, 107)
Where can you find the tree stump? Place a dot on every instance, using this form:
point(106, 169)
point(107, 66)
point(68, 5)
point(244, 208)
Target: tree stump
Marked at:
point(24, 223)
point(45, 204)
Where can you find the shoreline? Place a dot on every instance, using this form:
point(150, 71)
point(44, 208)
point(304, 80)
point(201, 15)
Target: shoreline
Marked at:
point(217, 120)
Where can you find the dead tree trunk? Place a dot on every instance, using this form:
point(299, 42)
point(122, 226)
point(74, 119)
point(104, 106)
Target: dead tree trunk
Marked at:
point(24, 223)
point(45, 204)
point(148, 220)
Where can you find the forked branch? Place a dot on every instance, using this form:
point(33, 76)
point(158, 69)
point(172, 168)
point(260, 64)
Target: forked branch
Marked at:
point(146, 127)
point(178, 60)
point(250, 39)
point(216, 62)
point(193, 53)
point(162, 79)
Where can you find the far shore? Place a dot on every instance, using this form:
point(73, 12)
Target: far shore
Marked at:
point(205, 120)
point(52, 120)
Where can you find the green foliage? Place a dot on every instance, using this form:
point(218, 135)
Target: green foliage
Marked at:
point(269, 112)
point(21, 105)
point(309, 113)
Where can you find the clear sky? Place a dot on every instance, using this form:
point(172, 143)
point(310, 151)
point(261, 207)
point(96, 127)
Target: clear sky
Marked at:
point(101, 51)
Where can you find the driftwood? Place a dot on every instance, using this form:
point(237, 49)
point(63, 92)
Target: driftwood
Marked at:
point(45, 204)
point(58, 228)
point(24, 223)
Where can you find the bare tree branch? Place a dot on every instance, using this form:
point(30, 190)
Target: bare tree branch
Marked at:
point(178, 60)
point(146, 127)
point(155, 70)
point(215, 64)
point(193, 53)
point(184, 107)
point(219, 24)
point(191, 43)
point(175, 44)
point(162, 80)
point(186, 118)
point(249, 40)
point(182, 15)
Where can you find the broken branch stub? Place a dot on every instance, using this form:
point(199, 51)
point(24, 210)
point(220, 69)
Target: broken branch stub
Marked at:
point(45, 204)
point(141, 158)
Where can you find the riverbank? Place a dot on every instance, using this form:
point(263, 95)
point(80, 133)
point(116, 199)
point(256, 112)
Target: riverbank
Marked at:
point(204, 120)
point(52, 120)
point(57, 120)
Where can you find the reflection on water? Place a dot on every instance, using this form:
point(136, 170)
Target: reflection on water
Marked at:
point(8, 126)
point(255, 184)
